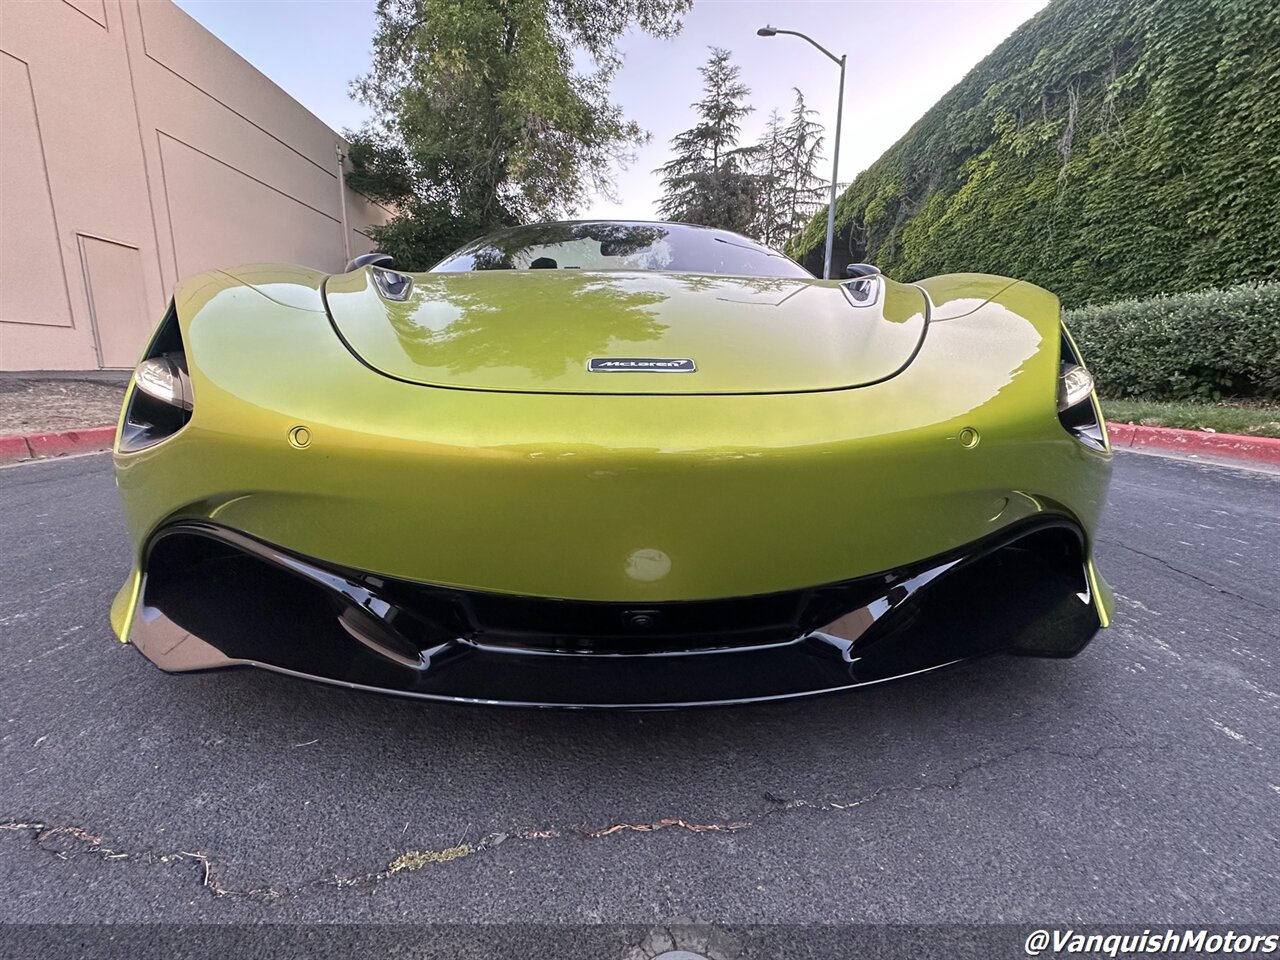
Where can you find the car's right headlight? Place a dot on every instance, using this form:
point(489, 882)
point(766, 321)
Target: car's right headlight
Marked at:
point(165, 379)
point(161, 400)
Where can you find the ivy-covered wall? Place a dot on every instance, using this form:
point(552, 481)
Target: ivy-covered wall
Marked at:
point(1107, 149)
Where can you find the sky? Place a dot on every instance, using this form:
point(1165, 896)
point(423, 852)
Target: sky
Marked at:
point(903, 56)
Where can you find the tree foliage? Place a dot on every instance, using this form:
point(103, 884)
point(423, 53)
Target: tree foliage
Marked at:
point(1107, 149)
point(788, 190)
point(482, 118)
point(708, 180)
point(769, 165)
point(766, 190)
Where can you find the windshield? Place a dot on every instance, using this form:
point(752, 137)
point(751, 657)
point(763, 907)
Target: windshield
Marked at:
point(614, 245)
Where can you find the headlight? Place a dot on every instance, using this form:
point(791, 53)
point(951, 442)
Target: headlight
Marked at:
point(160, 403)
point(1076, 410)
point(1075, 385)
point(165, 378)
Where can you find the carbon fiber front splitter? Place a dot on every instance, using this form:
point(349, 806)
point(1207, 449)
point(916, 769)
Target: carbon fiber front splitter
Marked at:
point(212, 597)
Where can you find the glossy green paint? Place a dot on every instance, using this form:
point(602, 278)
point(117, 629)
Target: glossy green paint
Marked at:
point(618, 496)
point(534, 331)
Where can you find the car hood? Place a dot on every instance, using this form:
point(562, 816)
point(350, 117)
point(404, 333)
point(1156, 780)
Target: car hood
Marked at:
point(539, 331)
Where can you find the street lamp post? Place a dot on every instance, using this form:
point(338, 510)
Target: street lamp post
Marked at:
point(767, 31)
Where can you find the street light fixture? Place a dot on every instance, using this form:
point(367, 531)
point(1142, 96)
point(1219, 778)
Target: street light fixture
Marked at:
point(767, 31)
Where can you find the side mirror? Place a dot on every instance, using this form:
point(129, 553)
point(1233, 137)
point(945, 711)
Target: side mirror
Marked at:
point(861, 270)
point(370, 260)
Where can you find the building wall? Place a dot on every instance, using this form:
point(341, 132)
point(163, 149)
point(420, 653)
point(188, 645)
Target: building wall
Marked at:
point(135, 149)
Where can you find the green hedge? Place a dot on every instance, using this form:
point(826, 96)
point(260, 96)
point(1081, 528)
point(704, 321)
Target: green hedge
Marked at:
point(1204, 345)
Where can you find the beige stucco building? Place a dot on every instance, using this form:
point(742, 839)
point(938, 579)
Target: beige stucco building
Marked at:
point(135, 149)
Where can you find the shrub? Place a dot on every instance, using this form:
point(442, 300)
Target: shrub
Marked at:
point(1204, 345)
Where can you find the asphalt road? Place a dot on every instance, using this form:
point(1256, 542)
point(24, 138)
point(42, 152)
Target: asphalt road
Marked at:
point(1138, 783)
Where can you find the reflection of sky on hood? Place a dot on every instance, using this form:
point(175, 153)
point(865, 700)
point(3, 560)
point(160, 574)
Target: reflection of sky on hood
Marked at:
point(436, 316)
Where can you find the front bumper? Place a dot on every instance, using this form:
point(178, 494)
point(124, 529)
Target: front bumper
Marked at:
point(208, 596)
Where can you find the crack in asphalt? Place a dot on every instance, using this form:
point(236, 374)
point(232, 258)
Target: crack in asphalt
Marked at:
point(954, 784)
point(1188, 574)
point(90, 844)
point(64, 842)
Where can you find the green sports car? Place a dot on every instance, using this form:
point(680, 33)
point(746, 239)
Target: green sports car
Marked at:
point(608, 464)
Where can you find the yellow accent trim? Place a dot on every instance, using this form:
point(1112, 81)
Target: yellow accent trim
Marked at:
point(1104, 599)
point(123, 606)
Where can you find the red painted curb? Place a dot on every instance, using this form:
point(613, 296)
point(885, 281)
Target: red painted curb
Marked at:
point(1229, 445)
point(40, 446)
point(14, 448)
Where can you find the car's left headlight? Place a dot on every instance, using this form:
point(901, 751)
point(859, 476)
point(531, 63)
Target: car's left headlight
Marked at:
point(1074, 385)
point(1077, 410)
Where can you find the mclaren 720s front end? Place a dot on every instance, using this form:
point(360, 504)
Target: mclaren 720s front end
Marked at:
point(608, 464)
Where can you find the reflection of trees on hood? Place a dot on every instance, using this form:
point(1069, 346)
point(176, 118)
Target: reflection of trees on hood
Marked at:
point(710, 282)
point(542, 325)
point(501, 251)
point(620, 245)
point(747, 290)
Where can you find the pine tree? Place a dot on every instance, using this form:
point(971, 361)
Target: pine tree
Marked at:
point(788, 192)
point(707, 181)
point(802, 188)
point(769, 163)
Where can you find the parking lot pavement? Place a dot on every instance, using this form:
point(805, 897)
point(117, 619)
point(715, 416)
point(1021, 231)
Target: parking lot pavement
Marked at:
point(1137, 783)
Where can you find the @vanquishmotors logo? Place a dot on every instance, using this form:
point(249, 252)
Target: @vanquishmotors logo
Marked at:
point(640, 365)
